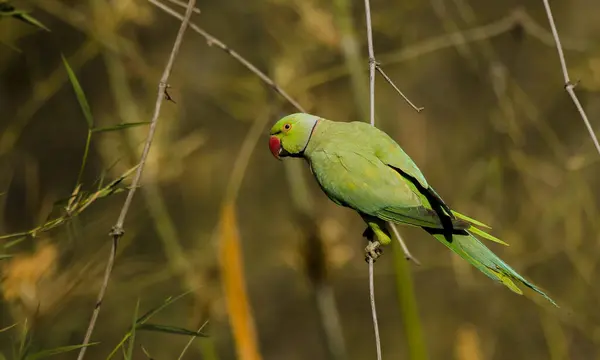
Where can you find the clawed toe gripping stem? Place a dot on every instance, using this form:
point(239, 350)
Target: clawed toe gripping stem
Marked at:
point(373, 250)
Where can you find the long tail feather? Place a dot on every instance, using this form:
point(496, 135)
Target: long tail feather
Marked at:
point(469, 220)
point(471, 249)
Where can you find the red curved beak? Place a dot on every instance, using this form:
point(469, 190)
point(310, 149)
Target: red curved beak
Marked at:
point(275, 146)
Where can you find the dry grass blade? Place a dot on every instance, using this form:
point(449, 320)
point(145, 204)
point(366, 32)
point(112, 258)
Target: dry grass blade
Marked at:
point(117, 231)
point(192, 338)
point(238, 307)
point(569, 85)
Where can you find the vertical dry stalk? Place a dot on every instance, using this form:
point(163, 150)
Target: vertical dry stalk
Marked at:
point(372, 64)
point(117, 230)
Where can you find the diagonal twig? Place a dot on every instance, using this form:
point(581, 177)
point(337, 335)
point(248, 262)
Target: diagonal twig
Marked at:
point(569, 85)
point(211, 40)
point(192, 338)
point(117, 230)
point(387, 78)
point(374, 65)
point(183, 5)
point(407, 254)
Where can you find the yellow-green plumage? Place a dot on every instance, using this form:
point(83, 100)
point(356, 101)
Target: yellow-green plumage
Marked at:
point(361, 167)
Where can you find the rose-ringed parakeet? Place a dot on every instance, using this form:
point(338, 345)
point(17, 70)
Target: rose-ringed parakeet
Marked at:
point(360, 167)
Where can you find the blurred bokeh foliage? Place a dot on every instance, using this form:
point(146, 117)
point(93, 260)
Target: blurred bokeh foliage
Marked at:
point(499, 139)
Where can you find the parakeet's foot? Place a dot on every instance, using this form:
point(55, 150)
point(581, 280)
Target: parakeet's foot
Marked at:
point(369, 234)
point(373, 251)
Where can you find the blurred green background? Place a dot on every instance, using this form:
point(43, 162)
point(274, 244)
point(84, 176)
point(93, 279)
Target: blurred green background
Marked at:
point(499, 139)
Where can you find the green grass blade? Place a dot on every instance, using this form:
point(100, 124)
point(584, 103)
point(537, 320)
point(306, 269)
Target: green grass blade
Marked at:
point(143, 319)
point(60, 350)
point(170, 330)
point(8, 236)
point(129, 355)
point(159, 308)
point(25, 17)
point(408, 306)
point(24, 341)
point(85, 107)
point(85, 157)
point(119, 346)
point(12, 47)
point(7, 9)
point(120, 126)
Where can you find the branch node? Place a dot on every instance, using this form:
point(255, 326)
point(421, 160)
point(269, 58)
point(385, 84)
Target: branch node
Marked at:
point(166, 92)
point(116, 232)
point(572, 85)
point(569, 85)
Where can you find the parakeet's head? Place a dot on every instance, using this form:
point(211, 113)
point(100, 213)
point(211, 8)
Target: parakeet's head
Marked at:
point(290, 134)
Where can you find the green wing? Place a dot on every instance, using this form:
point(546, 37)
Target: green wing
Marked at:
point(390, 153)
point(432, 205)
point(359, 180)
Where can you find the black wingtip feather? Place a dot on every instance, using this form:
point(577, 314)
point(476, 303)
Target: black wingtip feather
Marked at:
point(437, 204)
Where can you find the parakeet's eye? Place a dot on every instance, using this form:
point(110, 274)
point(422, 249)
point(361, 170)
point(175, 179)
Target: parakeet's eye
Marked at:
point(286, 127)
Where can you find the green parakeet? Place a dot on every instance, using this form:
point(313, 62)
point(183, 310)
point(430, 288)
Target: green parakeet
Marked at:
point(360, 167)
